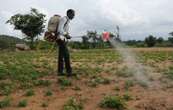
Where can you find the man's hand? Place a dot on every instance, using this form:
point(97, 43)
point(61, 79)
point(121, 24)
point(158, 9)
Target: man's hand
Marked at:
point(67, 36)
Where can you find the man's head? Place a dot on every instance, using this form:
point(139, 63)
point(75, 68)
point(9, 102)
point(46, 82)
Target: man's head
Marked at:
point(70, 13)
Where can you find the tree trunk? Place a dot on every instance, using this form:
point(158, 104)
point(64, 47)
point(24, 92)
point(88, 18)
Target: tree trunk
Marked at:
point(32, 43)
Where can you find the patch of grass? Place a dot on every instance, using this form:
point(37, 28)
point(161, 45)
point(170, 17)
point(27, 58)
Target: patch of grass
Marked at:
point(113, 102)
point(6, 88)
point(48, 93)
point(169, 73)
point(3, 73)
point(45, 83)
point(64, 82)
point(98, 80)
point(5, 102)
point(124, 72)
point(128, 84)
point(127, 97)
point(73, 104)
point(29, 92)
point(23, 103)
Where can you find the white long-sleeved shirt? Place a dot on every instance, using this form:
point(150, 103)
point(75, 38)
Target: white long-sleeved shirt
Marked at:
point(63, 27)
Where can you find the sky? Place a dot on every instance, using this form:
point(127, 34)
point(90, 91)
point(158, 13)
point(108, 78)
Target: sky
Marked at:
point(137, 19)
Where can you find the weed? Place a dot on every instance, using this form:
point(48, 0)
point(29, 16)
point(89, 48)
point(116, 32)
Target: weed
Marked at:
point(128, 84)
point(48, 93)
point(5, 88)
point(29, 92)
point(5, 102)
point(23, 103)
point(45, 83)
point(124, 72)
point(64, 82)
point(169, 73)
point(127, 97)
point(98, 80)
point(73, 104)
point(113, 102)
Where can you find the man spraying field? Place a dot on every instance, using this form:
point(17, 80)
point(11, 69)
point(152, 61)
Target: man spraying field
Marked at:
point(63, 32)
point(58, 31)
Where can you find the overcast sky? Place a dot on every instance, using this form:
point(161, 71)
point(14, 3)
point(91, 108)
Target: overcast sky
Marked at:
point(136, 18)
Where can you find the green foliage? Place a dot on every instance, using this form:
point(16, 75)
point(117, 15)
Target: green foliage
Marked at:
point(64, 81)
point(29, 92)
point(128, 84)
point(98, 80)
point(31, 24)
point(169, 73)
point(127, 97)
point(5, 102)
point(124, 72)
point(8, 42)
point(45, 83)
point(170, 39)
point(73, 104)
point(150, 41)
point(6, 88)
point(113, 102)
point(160, 40)
point(48, 93)
point(23, 103)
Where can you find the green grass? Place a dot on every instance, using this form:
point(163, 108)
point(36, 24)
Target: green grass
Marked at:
point(93, 82)
point(169, 73)
point(124, 72)
point(29, 92)
point(128, 84)
point(5, 102)
point(6, 88)
point(64, 82)
point(73, 104)
point(23, 103)
point(48, 93)
point(113, 102)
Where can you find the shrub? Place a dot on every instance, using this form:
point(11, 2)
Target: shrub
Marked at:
point(22, 103)
point(169, 73)
point(113, 102)
point(5, 102)
point(29, 92)
point(48, 93)
point(64, 82)
point(73, 104)
point(42, 83)
point(124, 72)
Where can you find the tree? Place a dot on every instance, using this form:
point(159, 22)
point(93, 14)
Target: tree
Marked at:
point(150, 41)
point(31, 24)
point(160, 40)
point(171, 33)
point(92, 35)
point(170, 39)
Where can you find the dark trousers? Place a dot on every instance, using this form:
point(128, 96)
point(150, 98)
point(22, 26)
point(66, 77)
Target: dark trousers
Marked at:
point(64, 56)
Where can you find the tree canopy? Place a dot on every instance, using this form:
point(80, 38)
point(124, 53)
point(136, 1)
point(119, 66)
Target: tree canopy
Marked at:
point(31, 24)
